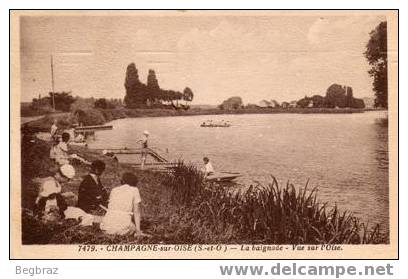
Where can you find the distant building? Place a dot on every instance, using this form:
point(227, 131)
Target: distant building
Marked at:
point(293, 104)
point(369, 102)
point(264, 104)
point(252, 106)
point(274, 104)
point(285, 105)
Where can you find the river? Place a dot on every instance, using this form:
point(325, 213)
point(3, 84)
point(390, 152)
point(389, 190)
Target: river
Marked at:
point(344, 155)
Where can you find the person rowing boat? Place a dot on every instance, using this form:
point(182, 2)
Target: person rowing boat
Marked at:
point(208, 169)
point(211, 175)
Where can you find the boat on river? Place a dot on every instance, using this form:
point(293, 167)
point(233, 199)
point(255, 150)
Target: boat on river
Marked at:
point(223, 176)
point(212, 124)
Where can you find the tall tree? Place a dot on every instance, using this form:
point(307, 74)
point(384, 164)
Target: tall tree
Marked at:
point(336, 96)
point(376, 55)
point(153, 88)
point(132, 84)
point(188, 94)
point(152, 80)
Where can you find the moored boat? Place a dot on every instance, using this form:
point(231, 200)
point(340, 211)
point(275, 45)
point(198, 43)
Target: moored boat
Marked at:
point(223, 176)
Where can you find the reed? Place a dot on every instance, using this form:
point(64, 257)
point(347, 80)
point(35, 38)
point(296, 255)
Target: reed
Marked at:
point(265, 214)
point(185, 182)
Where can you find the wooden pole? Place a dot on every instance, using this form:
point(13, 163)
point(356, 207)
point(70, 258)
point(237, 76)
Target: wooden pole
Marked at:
point(52, 83)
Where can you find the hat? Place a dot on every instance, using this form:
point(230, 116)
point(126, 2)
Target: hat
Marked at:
point(146, 132)
point(68, 171)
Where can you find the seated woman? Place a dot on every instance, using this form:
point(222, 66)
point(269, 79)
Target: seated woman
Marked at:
point(50, 203)
point(123, 212)
point(60, 152)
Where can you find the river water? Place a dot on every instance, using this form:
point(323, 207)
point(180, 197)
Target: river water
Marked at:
point(344, 155)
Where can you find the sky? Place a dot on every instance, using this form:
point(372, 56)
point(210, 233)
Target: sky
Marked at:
point(256, 57)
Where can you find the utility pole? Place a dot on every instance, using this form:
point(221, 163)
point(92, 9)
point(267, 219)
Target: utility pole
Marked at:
point(52, 84)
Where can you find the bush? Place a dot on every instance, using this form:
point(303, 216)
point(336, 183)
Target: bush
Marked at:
point(43, 124)
point(89, 117)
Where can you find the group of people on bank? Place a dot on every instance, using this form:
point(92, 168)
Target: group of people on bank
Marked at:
point(116, 211)
point(120, 207)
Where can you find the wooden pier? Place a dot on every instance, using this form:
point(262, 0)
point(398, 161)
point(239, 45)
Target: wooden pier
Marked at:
point(151, 152)
point(83, 129)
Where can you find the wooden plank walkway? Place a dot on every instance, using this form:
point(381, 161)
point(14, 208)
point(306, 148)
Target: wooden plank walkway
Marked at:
point(151, 152)
point(93, 128)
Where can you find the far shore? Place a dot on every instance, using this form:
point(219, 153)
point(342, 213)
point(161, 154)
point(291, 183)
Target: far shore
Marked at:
point(102, 116)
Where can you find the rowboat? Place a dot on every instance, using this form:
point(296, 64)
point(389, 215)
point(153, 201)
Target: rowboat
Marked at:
point(224, 125)
point(223, 176)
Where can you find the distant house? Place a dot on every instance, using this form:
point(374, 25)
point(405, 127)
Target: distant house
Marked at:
point(252, 106)
point(274, 104)
point(285, 105)
point(368, 102)
point(293, 104)
point(264, 104)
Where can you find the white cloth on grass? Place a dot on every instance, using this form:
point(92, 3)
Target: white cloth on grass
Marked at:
point(76, 213)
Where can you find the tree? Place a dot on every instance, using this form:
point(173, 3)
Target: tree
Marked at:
point(101, 103)
point(139, 94)
point(304, 103)
point(349, 96)
point(152, 86)
point(188, 95)
point(134, 91)
point(231, 103)
point(336, 96)
point(63, 100)
point(318, 101)
point(358, 103)
point(376, 54)
point(152, 80)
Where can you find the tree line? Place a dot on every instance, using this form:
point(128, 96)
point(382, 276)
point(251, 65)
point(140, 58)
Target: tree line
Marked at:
point(337, 96)
point(140, 95)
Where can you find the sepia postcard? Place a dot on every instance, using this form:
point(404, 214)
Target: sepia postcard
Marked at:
point(204, 134)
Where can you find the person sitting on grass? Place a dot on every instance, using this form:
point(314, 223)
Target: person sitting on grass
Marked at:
point(123, 213)
point(50, 204)
point(60, 152)
point(91, 192)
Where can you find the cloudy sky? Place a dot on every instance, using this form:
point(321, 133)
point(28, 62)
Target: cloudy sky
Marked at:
point(255, 57)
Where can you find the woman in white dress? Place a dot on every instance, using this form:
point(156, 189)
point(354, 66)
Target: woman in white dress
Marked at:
point(123, 212)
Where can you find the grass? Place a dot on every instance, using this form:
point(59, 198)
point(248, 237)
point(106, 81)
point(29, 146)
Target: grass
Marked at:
point(181, 207)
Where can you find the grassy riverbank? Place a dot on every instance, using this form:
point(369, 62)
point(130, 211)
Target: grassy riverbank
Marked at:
point(181, 208)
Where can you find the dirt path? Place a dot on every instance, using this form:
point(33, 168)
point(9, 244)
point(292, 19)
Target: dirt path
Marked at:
point(25, 120)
